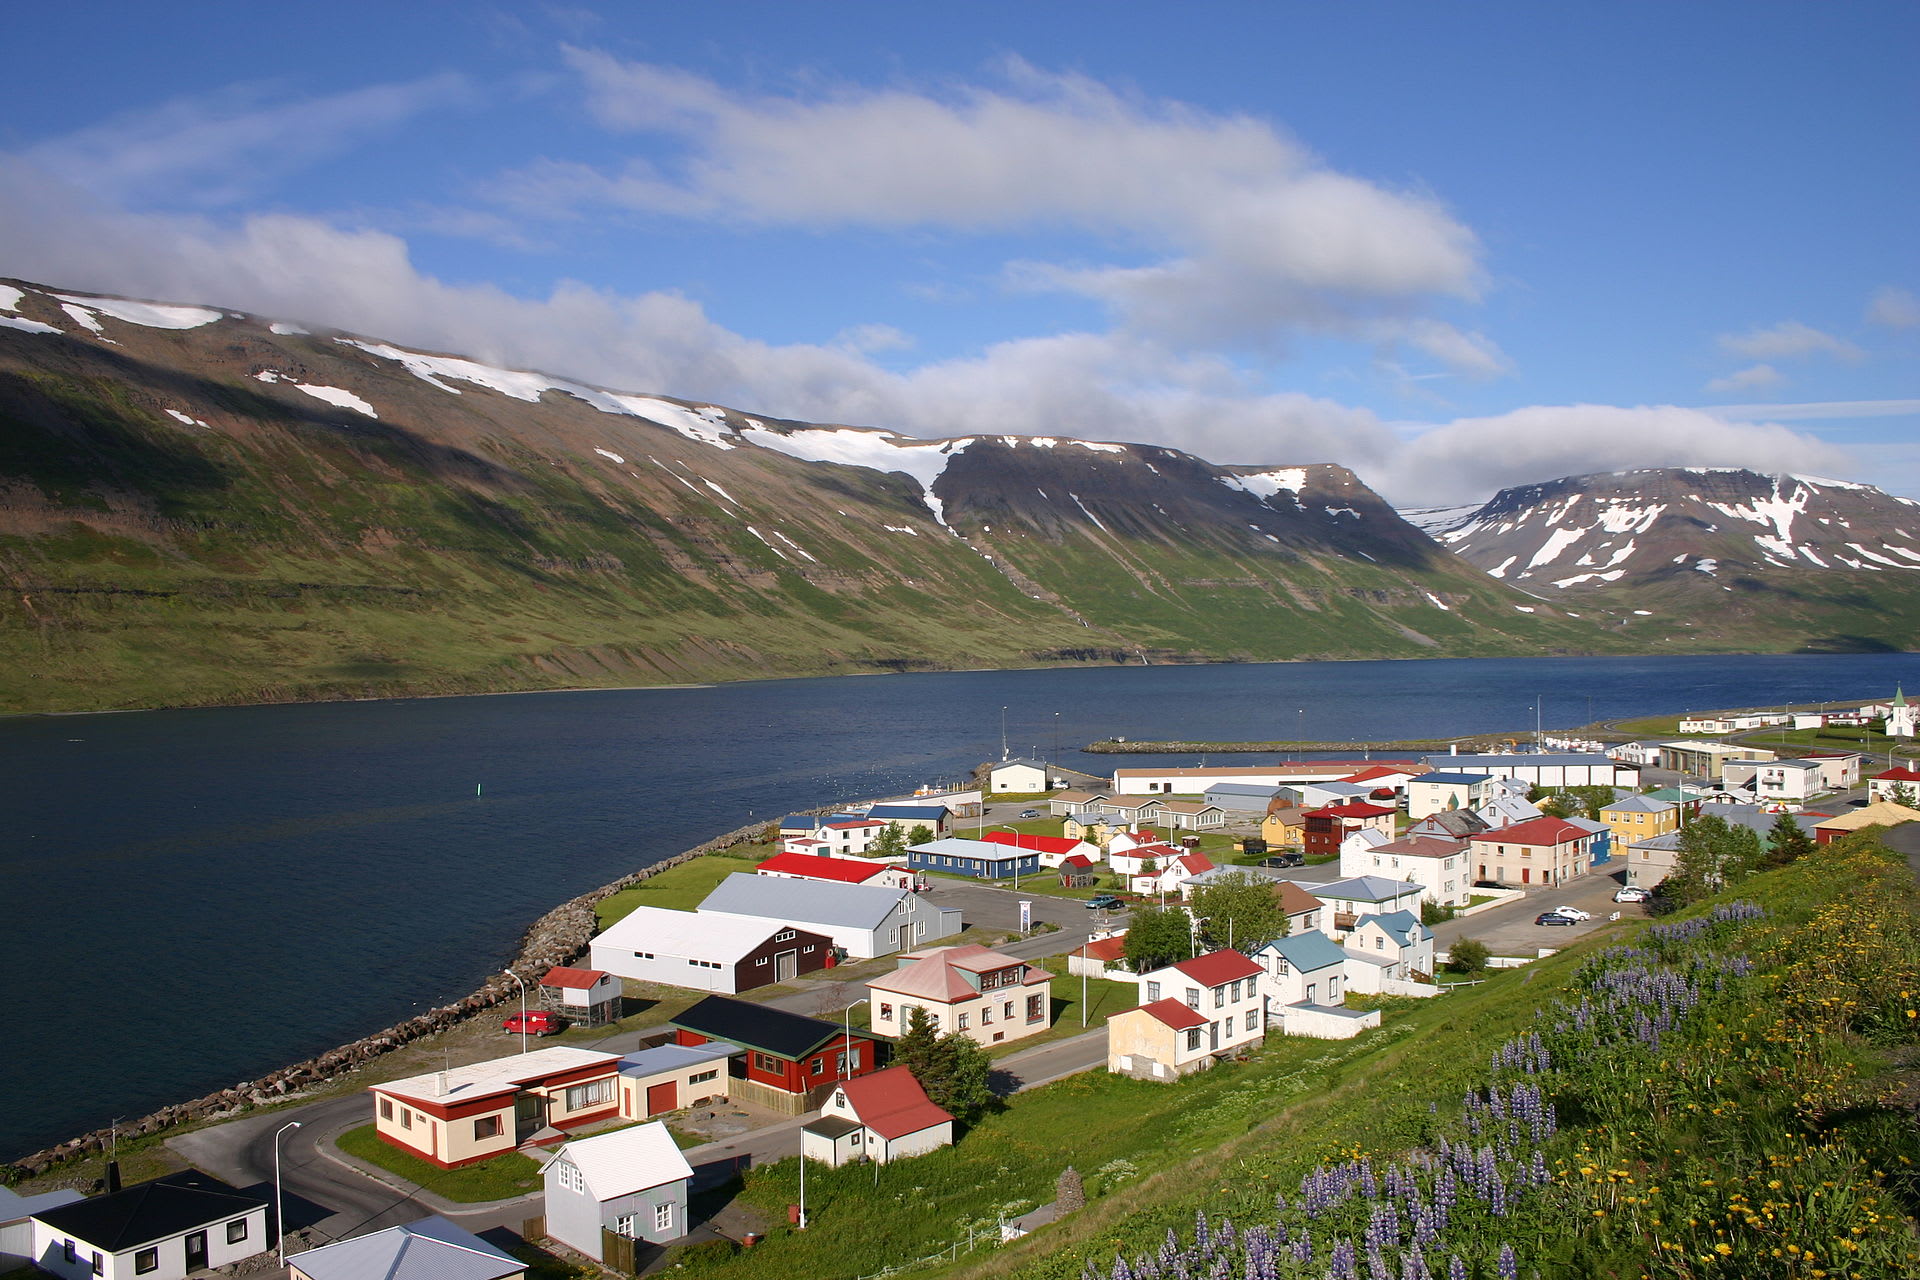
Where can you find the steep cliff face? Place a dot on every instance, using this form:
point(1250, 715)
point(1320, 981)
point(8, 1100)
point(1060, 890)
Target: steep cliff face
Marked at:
point(1772, 560)
point(198, 505)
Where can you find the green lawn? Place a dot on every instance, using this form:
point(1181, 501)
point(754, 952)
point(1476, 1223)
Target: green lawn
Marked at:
point(500, 1178)
point(682, 888)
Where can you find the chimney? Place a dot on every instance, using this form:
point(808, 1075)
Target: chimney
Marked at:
point(113, 1176)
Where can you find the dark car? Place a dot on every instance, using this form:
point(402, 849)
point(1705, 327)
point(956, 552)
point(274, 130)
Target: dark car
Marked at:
point(1285, 860)
point(535, 1022)
point(1553, 917)
point(1103, 902)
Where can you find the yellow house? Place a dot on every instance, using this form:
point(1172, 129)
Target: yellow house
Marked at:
point(1285, 826)
point(984, 995)
point(1640, 818)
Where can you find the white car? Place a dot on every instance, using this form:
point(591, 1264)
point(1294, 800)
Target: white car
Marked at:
point(1633, 893)
point(1573, 913)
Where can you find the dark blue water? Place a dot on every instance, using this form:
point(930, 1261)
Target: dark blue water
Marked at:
point(198, 897)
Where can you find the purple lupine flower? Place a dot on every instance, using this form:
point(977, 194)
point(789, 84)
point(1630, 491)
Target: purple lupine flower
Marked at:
point(1340, 1262)
point(1508, 1266)
point(1456, 1269)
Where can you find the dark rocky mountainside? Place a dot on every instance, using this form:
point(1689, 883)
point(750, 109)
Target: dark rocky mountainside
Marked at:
point(201, 506)
point(1776, 560)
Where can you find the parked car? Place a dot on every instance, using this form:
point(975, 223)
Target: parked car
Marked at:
point(1103, 902)
point(1633, 893)
point(537, 1022)
point(1285, 860)
point(1029, 813)
point(1573, 913)
point(1553, 917)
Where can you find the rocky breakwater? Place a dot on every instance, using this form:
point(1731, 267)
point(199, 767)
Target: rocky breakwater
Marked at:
point(556, 938)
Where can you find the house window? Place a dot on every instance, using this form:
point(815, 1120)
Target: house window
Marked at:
point(960, 1023)
point(1193, 997)
point(886, 1013)
point(1006, 1010)
point(1379, 943)
point(986, 1015)
point(1313, 990)
point(853, 1139)
point(146, 1260)
point(67, 1252)
point(99, 1264)
point(594, 1093)
point(807, 950)
point(1219, 997)
point(701, 1077)
point(1036, 1008)
point(663, 1217)
point(761, 961)
point(1252, 1020)
point(784, 935)
point(643, 955)
point(486, 1127)
point(571, 1179)
point(1193, 1037)
point(406, 1118)
point(623, 1226)
point(386, 1108)
point(842, 1065)
point(236, 1231)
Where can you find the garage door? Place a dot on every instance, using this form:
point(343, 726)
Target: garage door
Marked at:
point(662, 1097)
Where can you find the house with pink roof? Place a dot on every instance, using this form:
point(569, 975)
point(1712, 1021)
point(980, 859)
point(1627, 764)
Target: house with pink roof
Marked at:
point(981, 993)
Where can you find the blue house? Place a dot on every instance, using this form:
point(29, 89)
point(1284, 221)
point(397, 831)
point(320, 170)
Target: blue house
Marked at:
point(981, 859)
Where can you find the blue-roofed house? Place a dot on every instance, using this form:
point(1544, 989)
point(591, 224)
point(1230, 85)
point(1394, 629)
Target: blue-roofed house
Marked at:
point(1388, 948)
point(1436, 792)
point(1304, 979)
point(978, 859)
point(430, 1249)
point(1363, 895)
point(668, 1077)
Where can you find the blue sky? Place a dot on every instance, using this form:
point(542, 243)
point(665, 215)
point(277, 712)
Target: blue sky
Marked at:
point(1454, 247)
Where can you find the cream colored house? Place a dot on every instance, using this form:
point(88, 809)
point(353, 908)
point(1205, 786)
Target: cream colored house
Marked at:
point(455, 1117)
point(1194, 1012)
point(984, 995)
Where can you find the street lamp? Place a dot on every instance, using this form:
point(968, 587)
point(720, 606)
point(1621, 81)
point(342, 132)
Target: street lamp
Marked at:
point(846, 1032)
point(279, 1215)
point(523, 1008)
point(1016, 853)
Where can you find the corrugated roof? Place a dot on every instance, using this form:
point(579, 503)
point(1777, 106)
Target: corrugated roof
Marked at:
point(803, 902)
point(757, 1026)
point(430, 1249)
point(1218, 967)
point(692, 934)
point(1638, 804)
point(1040, 844)
point(1173, 1013)
point(572, 979)
point(627, 1160)
point(1403, 925)
point(1536, 831)
point(674, 1057)
point(892, 1103)
point(1363, 889)
point(842, 870)
point(496, 1075)
point(1308, 951)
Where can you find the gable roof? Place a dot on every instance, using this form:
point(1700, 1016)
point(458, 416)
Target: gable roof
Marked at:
point(1638, 804)
point(150, 1211)
point(1217, 967)
point(1363, 889)
point(1351, 809)
point(691, 935)
point(430, 1249)
point(627, 1160)
point(935, 974)
point(757, 1026)
point(844, 870)
point(968, 847)
point(1194, 863)
point(1456, 822)
point(1286, 812)
point(1106, 950)
point(1403, 925)
point(1374, 772)
point(1899, 773)
point(1535, 831)
point(1077, 797)
point(15, 1207)
point(892, 1103)
point(803, 902)
point(1296, 901)
point(919, 812)
point(1174, 1013)
point(1451, 779)
point(572, 979)
point(676, 1057)
point(1880, 813)
point(1188, 806)
point(1308, 951)
point(1078, 862)
point(1423, 847)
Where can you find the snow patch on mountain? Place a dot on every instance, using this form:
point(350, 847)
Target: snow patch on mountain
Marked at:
point(10, 297)
point(184, 420)
point(286, 330)
point(884, 451)
point(1436, 522)
point(1268, 484)
point(339, 397)
point(25, 325)
point(83, 317)
point(152, 315)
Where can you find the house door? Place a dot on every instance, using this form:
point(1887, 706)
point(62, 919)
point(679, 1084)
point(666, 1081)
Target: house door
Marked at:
point(528, 1114)
point(902, 939)
point(197, 1251)
point(786, 965)
point(662, 1097)
point(1526, 875)
point(1213, 1035)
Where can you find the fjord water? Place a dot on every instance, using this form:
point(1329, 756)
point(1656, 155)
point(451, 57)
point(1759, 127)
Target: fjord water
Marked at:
point(199, 897)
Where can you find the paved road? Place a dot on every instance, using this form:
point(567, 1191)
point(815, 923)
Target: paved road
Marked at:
point(1509, 930)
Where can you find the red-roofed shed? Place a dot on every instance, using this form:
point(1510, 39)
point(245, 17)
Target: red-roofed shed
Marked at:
point(881, 1117)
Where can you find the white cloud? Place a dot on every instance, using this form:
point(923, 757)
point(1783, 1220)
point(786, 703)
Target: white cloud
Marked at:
point(1471, 458)
point(204, 152)
point(1222, 229)
point(1749, 379)
point(1893, 307)
point(1818, 410)
point(1787, 340)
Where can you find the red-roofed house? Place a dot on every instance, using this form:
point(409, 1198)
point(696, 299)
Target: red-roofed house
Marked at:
point(1224, 1013)
point(1173, 873)
point(980, 993)
point(1145, 858)
point(850, 837)
point(1097, 957)
point(1881, 786)
point(799, 866)
point(1053, 850)
point(1386, 777)
point(881, 1117)
point(589, 996)
point(1326, 827)
point(1077, 872)
point(1539, 851)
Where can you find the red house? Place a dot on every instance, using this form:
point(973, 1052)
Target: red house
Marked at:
point(1327, 827)
point(791, 1061)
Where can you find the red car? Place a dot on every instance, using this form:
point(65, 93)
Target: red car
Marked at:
point(535, 1022)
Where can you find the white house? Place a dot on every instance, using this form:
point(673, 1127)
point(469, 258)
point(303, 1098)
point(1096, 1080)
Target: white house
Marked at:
point(16, 1221)
point(1444, 789)
point(1891, 784)
point(632, 1182)
point(1172, 874)
point(1130, 856)
point(1223, 989)
point(1359, 842)
point(1303, 978)
point(1438, 864)
point(1387, 949)
point(1774, 779)
point(1362, 895)
point(705, 952)
point(159, 1230)
point(1315, 795)
point(863, 920)
point(1023, 777)
point(879, 1117)
point(430, 1249)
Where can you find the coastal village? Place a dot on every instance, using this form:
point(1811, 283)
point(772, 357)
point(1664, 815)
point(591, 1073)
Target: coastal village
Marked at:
point(1336, 872)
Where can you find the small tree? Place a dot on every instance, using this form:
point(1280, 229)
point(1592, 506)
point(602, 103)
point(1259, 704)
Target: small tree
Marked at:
point(891, 844)
point(1787, 842)
point(1902, 794)
point(921, 834)
point(1469, 955)
point(1157, 937)
point(1239, 910)
point(915, 1049)
point(959, 1075)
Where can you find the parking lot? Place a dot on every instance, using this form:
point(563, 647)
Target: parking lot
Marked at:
point(1509, 930)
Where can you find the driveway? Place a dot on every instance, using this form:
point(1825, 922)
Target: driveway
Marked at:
point(1509, 930)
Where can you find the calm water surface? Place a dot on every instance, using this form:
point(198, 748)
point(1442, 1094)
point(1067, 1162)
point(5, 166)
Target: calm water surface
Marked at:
point(199, 897)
